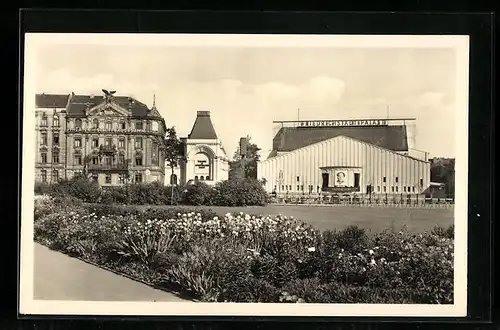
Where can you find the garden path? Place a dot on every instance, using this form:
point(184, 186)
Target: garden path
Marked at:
point(60, 277)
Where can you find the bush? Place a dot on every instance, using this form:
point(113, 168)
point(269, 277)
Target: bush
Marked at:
point(117, 194)
point(45, 205)
point(352, 238)
point(78, 187)
point(240, 192)
point(42, 188)
point(227, 193)
point(243, 258)
point(273, 271)
point(251, 289)
point(197, 194)
point(141, 194)
point(442, 232)
point(147, 193)
point(309, 290)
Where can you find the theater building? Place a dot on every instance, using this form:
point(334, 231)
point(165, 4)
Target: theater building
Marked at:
point(114, 139)
point(344, 156)
point(203, 157)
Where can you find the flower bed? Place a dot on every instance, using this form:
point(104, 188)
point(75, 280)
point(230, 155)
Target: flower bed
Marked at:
point(244, 258)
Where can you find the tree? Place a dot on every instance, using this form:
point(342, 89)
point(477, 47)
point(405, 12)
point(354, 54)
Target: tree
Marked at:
point(443, 171)
point(172, 153)
point(86, 161)
point(250, 161)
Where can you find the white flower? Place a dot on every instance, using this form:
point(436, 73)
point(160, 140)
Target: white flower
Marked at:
point(371, 252)
point(373, 262)
point(311, 249)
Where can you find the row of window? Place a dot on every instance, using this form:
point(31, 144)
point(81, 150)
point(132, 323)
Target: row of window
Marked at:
point(384, 180)
point(202, 178)
point(55, 175)
point(299, 188)
point(95, 141)
point(311, 188)
point(121, 177)
point(44, 121)
point(44, 139)
point(108, 160)
point(108, 142)
point(108, 125)
point(55, 157)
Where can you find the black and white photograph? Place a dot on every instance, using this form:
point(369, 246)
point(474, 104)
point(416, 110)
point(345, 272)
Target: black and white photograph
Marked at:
point(262, 175)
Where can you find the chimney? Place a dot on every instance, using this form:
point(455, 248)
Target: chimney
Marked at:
point(130, 102)
point(203, 113)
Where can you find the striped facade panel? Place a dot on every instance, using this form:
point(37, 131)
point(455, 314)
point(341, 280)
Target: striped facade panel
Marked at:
point(402, 173)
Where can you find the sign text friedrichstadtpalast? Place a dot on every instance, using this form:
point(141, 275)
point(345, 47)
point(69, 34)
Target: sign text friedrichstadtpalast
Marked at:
point(342, 123)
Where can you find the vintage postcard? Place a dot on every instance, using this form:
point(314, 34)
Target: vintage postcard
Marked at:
point(252, 175)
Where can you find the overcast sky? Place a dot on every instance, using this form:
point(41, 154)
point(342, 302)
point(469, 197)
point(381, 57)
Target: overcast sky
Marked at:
point(245, 89)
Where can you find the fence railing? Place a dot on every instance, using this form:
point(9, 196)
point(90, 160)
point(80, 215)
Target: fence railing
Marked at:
point(402, 200)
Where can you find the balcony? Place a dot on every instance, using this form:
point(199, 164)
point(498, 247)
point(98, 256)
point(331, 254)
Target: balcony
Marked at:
point(116, 168)
point(107, 149)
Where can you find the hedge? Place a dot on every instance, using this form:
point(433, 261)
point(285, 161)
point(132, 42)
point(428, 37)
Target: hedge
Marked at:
point(247, 258)
point(245, 192)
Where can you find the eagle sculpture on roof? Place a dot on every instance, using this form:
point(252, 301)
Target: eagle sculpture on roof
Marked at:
point(108, 94)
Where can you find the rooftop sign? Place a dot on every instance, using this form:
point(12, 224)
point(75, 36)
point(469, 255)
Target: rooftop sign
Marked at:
point(342, 123)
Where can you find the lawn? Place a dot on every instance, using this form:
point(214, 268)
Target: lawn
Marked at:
point(338, 217)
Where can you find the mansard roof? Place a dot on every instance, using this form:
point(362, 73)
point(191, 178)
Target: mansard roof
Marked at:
point(49, 101)
point(77, 104)
point(291, 138)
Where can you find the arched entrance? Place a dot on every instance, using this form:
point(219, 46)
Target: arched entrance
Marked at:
point(202, 163)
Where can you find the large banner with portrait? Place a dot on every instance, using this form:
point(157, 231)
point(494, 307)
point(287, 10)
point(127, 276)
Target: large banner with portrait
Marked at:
point(342, 178)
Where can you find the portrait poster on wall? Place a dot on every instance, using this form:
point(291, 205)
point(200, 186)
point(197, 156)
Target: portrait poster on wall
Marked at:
point(341, 178)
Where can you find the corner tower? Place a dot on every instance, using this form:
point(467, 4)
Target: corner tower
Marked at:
point(205, 157)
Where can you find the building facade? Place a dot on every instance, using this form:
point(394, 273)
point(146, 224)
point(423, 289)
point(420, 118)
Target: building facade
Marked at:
point(203, 157)
point(114, 139)
point(365, 159)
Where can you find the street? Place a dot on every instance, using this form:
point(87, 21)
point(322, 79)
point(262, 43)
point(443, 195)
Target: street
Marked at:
point(60, 277)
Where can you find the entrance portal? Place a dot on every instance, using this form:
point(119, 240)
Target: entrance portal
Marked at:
point(356, 180)
point(326, 178)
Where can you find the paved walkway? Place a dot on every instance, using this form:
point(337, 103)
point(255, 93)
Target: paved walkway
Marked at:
point(60, 277)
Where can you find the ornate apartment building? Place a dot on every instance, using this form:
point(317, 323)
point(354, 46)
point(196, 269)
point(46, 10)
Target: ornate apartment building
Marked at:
point(115, 139)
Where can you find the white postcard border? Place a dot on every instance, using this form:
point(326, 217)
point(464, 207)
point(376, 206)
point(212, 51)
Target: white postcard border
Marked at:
point(29, 306)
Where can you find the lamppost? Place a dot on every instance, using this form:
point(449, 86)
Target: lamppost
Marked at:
point(243, 153)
